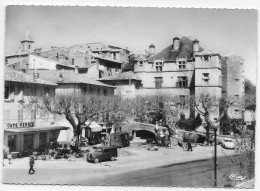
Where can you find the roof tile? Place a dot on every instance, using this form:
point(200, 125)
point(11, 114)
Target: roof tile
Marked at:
point(17, 76)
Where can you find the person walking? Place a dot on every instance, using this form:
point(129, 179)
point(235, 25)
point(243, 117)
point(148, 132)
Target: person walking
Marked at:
point(9, 158)
point(189, 146)
point(31, 163)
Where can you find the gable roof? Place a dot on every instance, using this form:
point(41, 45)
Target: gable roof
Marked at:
point(121, 76)
point(168, 54)
point(69, 77)
point(17, 76)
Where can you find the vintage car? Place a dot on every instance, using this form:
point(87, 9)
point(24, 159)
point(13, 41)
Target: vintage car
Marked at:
point(227, 143)
point(102, 153)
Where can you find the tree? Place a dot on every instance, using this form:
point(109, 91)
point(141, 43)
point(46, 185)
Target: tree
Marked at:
point(205, 105)
point(78, 109)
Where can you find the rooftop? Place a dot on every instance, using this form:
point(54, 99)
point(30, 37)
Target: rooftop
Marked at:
point(121, 76)
point(17, 76)
point(69, 77)
point(185, 51)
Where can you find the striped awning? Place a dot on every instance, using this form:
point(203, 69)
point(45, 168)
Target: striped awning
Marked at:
point(36, 129)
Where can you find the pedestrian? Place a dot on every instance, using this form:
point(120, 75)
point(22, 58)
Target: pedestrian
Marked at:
point(31, 163)
point(72, 145)
point(189, 146)
point(9, 158)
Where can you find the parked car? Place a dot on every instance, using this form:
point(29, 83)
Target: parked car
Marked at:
point(227, 143)
point(102, 153)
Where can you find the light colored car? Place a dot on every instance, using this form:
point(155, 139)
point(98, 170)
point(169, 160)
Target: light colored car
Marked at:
point(227, 143)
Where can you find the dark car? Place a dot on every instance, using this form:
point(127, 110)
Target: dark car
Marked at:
point(102, 153)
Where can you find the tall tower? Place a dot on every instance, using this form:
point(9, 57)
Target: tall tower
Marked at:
point(234, 83)
point(208, 78)
point(27, 43)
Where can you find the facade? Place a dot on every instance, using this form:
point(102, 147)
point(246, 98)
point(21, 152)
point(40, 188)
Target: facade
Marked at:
point(233, 81)
point(27, 128)
point(127, 84)
point(185, 69)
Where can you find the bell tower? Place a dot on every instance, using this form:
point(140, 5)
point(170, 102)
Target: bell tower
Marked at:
point(27, 43)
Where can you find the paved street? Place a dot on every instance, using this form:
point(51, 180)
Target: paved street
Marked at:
point(195, 174)
point(134, 166)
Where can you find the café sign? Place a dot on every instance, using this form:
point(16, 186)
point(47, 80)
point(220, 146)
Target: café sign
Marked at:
point(19, 125)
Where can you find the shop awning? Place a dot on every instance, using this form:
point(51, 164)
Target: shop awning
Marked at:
point(94, 126)
point(36, 129)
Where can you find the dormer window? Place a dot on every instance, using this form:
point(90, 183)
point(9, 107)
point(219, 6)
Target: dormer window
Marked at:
point(141, 63)
point(158, 66)
point(182, 65)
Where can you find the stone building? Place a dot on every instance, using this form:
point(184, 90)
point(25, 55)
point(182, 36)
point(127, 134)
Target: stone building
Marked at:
point(185, 69)
point(27, 128)
point(233, 83)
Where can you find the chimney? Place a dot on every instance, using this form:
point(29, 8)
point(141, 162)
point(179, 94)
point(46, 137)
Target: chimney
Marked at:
point(195, 46)
point(152, 50)
point(76, 69)
point(176, 44)
point(60, 78)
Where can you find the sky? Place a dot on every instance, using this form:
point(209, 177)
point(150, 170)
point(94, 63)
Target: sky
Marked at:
point(221, 30)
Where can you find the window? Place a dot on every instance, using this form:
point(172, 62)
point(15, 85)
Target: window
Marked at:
point(98, 91)
point(182, 65)
point(205, 77)
point(141, 63)
point(20, 115)
point(237, 79)
point(33, 91)
point(109, 72)
point(158, 82)
point(158, 66)
point(84, 90)
point(72, 61)
point(182, 101)
point(105, 92)
point(114, 56)
point(29, 46)
point(43, 139)
point(236, 96)
point(182, 82)
point(33, 115)
point(101, 74)
point(12, 143)
point(46, 91)
point(7, 92)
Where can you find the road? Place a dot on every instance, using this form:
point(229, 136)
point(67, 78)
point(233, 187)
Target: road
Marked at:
point(195, 174)
point(135, 167)
point(188, 174)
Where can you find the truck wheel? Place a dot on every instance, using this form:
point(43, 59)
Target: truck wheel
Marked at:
point(96, 160)
point(112, 158)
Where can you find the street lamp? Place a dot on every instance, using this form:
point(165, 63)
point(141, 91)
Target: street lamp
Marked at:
point(215, 126)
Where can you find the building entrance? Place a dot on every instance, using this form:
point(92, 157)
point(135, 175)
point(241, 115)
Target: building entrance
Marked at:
point(28, 142)
point(12, 143)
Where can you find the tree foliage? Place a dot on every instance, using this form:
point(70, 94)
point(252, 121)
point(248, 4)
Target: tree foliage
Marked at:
point(78, 109)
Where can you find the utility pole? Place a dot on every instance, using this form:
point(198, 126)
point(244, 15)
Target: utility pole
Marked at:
point(215, 126)
point(215, 157)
